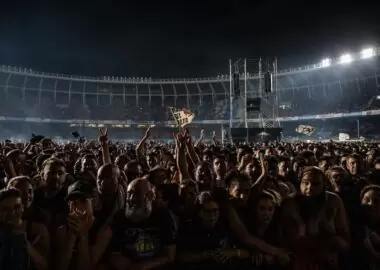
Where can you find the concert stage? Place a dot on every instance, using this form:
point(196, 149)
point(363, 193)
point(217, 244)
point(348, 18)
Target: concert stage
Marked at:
point(255, 134)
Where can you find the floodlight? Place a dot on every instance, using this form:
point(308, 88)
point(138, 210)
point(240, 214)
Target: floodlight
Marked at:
point(326, 62)
point(367, 53)
point(345, 59)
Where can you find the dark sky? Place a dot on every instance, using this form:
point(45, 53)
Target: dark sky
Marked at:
point(178, 38)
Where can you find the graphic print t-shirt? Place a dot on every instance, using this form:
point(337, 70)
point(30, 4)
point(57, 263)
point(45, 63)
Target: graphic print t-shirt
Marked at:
point(145, 239)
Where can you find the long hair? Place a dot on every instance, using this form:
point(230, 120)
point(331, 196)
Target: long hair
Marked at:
point(311, 206)
point(316, 172)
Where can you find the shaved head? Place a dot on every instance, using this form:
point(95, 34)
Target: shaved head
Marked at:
point(109, 169)
point(140, 183)
point(139, 200)
point(108, 179)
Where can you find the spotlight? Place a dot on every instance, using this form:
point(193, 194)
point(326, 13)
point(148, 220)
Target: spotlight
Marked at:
point(326, 62)
point(367, 53)
point(345, 59)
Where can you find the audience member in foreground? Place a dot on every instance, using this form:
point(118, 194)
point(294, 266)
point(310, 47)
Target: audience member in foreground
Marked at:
point(188, 204)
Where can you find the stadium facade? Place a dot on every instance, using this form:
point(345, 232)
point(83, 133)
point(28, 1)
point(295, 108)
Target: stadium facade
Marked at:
point(332, 98)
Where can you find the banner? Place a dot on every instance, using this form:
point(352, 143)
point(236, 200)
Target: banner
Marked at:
point(343, 137)
point(182, 117)
point(305, 129)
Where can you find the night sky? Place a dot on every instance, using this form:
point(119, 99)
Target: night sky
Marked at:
point(178, 38)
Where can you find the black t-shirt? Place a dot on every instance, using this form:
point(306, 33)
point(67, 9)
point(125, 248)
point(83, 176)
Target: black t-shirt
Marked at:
point(13, 251)
point(55, 206)
point(38, 215)
point(193, 237)
point(145, 239)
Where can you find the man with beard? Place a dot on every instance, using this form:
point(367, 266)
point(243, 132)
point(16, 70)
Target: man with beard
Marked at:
point(314, 223)
point(141, 237)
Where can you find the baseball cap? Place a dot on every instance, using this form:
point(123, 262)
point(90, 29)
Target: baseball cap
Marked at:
point(79, 189)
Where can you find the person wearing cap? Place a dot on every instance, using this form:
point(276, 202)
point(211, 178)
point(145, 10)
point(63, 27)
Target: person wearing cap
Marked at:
point(72, 239)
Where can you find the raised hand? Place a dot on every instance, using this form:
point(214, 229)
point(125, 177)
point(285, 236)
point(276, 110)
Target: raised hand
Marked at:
point(202, 133)
point(263, 164)
point(103, 138)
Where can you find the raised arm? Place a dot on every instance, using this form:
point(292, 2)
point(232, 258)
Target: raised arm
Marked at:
point(190, 148)
point(214, 140)
point(141, 145)
point(103, 140)
point(259, 183)
point(180, 144)
point(200, 139)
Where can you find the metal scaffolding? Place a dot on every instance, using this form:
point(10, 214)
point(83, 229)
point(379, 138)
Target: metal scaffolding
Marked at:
point(253, 87)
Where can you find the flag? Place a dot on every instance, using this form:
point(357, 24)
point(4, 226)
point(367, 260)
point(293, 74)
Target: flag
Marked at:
point(305, 129)
point(182, 117)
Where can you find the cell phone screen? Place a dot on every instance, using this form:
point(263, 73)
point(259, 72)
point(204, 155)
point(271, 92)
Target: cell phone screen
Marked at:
point(77, 208)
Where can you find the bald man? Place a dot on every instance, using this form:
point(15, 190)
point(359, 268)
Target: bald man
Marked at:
point(139, 200)
point(108, 180)
point(111, 192)
point(140, 235)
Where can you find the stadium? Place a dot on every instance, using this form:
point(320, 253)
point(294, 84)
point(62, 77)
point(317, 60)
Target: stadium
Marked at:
point(335, 96)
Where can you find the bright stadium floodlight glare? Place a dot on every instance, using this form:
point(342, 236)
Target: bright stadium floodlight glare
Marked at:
point(367, 53)
point(326, 62)
point(345, 59)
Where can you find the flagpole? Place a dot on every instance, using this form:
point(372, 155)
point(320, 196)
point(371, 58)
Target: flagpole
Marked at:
point(231, 96)
point(245, 94)
point(222, 130)
point(358, 127)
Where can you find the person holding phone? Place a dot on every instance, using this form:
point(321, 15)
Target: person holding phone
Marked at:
point(72, 239)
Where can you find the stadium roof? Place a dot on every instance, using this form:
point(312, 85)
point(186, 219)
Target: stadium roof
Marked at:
point(344, 59)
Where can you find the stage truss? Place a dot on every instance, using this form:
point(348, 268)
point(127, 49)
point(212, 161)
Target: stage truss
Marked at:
point(252, 86)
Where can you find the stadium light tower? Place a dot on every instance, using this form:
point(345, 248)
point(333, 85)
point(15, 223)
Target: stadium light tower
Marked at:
point(345, 59)
point(367, 53)
point(326, 62)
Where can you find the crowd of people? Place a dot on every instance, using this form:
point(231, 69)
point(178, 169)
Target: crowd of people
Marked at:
point(189, 204)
